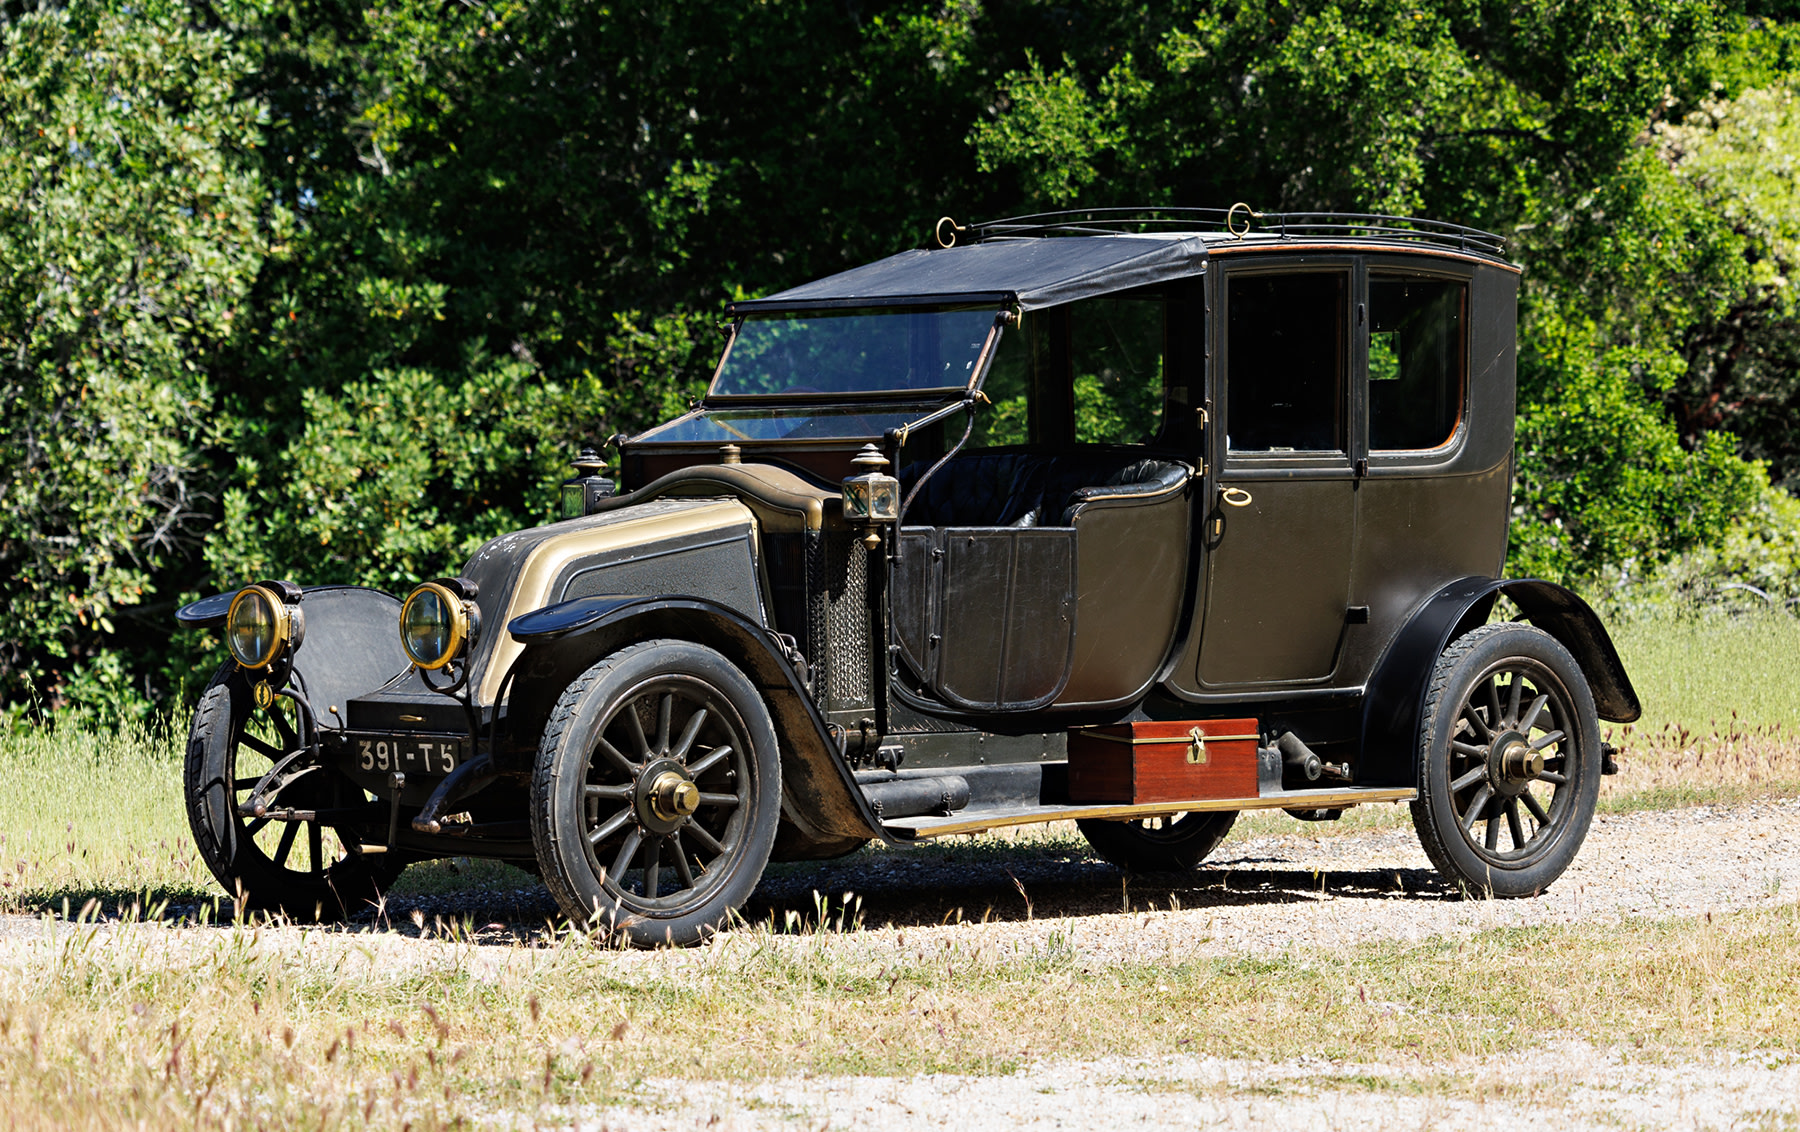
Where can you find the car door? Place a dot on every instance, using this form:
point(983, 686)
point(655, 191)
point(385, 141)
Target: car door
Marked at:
point(1279, 534)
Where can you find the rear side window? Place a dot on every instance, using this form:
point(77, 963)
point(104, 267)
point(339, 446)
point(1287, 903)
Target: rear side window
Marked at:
point(1092, 372)
point(1417, 361)
point(1116, 353)
point(1285, 351)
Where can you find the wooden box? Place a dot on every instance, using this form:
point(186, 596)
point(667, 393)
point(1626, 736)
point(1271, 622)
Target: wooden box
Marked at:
point(1144, 762)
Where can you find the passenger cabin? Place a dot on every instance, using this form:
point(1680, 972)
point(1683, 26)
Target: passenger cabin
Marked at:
point(1142, 456)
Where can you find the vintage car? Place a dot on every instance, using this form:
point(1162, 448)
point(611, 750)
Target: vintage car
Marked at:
point(1138, 519)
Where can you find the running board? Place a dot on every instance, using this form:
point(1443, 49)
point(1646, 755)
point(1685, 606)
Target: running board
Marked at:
point(975, 821)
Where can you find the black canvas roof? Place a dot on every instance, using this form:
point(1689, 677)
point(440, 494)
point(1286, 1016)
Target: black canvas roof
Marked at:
point(1031, 272)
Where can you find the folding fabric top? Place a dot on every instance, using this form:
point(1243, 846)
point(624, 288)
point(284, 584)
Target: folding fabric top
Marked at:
point(1031, 272)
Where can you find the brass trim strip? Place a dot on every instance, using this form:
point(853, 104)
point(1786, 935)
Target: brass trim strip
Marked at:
point(1309, 800)
point(1141, 741)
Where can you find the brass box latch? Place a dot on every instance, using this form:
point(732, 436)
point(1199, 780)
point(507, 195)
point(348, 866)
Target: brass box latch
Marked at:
point(1196, 752)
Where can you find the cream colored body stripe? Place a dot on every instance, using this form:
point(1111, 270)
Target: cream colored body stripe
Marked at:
point(550, 557)
point(1146, 741)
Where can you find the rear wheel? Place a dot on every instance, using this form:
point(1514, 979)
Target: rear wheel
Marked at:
point(1509, 761)
point(656, 793)
point(1172, 843)
point(300, 869)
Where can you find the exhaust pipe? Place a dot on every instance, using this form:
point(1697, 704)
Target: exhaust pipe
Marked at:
point(1305, 764)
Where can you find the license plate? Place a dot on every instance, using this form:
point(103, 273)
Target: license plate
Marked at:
point(408, 754)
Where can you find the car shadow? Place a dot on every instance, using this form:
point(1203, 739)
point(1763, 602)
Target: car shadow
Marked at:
point(868, 890)
point(886, 897)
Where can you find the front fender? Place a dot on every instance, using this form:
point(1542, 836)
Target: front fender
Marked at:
point(1394, 704)
point(352, 644)
point(819, 792)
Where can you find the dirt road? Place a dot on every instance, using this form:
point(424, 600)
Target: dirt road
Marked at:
point(1305, 887)
point(1309, 891)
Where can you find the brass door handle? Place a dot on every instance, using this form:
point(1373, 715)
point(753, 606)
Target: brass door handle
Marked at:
point(1234, 497)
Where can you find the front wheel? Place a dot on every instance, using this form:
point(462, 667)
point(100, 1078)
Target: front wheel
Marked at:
point(656, 793)
point(301, 869)
point(1509, 761)
point(1172, 843)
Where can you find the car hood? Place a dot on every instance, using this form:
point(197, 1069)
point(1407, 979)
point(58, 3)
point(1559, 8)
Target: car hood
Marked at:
point(527, 570)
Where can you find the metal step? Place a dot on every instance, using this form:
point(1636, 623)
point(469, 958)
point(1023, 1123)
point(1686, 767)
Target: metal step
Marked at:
point(975, 821)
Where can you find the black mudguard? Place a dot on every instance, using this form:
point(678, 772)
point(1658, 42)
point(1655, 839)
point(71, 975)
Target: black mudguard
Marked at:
point(819, 792)
point(351, 647)
point(1395, 702)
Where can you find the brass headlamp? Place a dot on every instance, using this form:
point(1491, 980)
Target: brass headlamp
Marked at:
point(439, 621)
point(264, 622)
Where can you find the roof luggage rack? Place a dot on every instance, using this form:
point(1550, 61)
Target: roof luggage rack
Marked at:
point(1238, 221)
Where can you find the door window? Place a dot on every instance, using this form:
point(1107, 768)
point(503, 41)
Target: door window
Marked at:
point(1417, 361)
point(1285, 352)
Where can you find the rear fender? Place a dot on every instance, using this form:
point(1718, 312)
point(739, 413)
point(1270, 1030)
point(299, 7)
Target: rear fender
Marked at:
point(819, 792)
point(1395, 702)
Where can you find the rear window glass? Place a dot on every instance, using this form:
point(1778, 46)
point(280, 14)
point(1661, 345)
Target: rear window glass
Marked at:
point(1285, 362)
point(1417, 361)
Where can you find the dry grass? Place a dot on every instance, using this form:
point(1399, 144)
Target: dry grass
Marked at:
point(1721, 719)
point(238, 1027)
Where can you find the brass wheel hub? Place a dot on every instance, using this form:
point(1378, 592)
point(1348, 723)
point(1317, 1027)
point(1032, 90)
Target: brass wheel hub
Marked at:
point(674, 796)
point(1512, 764)
point(666, 796)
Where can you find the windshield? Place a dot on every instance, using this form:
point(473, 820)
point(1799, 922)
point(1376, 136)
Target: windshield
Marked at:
point(727, 426)
point(856, 351)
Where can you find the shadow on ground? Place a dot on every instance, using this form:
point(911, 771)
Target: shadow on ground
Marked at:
point(486, 903)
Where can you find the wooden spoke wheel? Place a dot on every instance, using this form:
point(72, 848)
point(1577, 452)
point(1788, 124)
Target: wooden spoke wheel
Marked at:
point(1171, 843)
point(1509, 761)
point(656, 793)
point(300, 869)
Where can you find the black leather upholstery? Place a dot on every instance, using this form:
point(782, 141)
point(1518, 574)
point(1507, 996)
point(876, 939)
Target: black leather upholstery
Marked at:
point(1028, 489)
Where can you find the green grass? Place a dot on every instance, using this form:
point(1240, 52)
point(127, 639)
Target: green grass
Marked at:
point(95, 813)
point(92, 814)
point(1721, 698)
point(1695, 672)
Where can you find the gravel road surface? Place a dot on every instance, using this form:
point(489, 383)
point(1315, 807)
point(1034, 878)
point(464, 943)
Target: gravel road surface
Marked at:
point(1354, 889)
point(1312, 888)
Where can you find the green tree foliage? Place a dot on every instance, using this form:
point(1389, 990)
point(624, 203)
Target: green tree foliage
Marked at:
point(517, 226)
point(341, 287)
point(1738, 160)
point(130, 230)
point(1532, 120)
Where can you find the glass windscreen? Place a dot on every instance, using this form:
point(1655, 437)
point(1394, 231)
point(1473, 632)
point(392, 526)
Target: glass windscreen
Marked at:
point(732, 426)
point(854, 351)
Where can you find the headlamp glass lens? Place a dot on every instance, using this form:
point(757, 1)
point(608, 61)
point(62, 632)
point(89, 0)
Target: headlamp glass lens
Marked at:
point(428, 627)
point(253, 628)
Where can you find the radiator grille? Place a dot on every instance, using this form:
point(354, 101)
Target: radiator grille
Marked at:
point(839, 631)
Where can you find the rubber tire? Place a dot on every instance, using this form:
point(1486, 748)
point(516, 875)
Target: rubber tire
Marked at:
point(1433, 813)
point(353, 884)
point(1189, 841)
point(558, 826)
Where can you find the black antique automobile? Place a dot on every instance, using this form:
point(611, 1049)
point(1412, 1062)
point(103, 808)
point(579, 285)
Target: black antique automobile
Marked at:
point(1138, 519)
